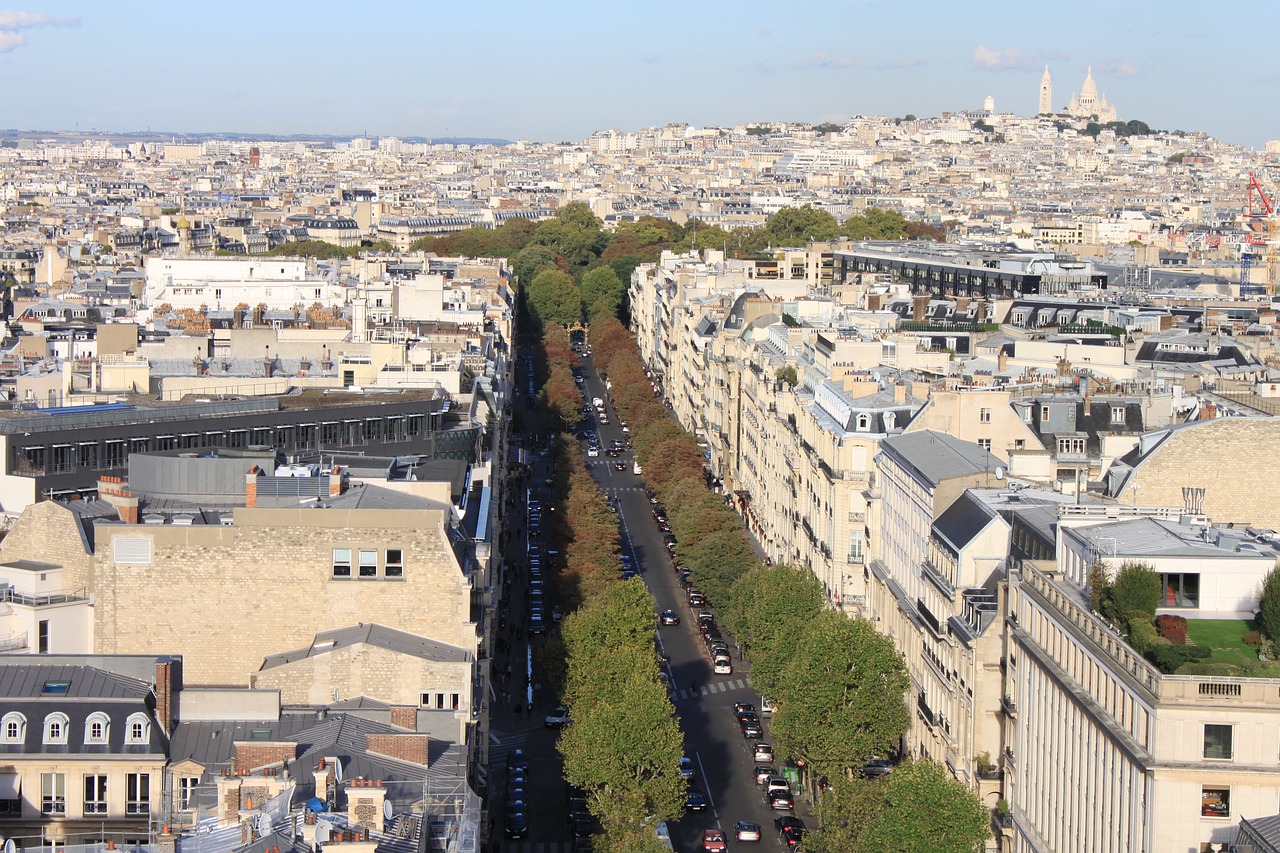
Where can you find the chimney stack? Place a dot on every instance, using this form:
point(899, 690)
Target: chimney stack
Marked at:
point(919, 307)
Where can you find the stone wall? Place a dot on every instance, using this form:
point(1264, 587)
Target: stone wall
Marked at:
point(50, 533)
point(364, 670)
point(225, 597)
point(1229, 458)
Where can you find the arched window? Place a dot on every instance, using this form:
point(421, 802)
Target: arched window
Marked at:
point(13, 728)
point(137, 729)
point(889, 418)
point(55, 728)
point(97, 728)
point(864, 422)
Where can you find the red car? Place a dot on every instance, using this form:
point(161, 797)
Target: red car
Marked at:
point(713, 841)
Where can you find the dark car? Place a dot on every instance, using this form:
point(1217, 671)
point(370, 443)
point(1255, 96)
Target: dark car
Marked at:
point(781, 801)
point(686, 769)
point(751, 730)
point(790, 830)
point(517, 827)
point(669, 617)
point(696, 801)
point(748, 717)
point(518, 761)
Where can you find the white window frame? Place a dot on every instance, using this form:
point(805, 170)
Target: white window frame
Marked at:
point(55, 728)
point(99, 718)
point(10, 720)
point(137, 729)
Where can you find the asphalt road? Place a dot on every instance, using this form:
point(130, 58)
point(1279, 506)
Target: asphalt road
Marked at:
point(722, 757)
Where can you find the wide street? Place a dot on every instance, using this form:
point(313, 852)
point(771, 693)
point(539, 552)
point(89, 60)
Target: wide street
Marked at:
point(722, 758)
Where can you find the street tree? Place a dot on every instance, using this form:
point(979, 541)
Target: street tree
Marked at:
point(926, 811)
point(602, 290)
point(841, 699)
point(553, 297)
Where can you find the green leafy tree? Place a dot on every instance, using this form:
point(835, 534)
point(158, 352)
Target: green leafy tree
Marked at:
point(1269, 605)
point(841, 698)
point(553, 297)
point(767, 609)
point(602, 290)
point(796, 226)
point(1135, 590)
point(574, 234)
point(531, 260)
point(926, 811)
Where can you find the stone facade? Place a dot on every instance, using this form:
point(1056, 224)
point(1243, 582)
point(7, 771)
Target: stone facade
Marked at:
point(226, 597)
point(1224, 457)
point(367, 670)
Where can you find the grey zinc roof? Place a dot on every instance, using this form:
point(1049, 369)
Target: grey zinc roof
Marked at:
point(936, 456)
point(373, 634)
point(27, 681)
point(964, 519)
point(364, 496)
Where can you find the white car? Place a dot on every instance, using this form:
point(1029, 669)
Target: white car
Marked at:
point(593, 451)
point(763, 752)
point(559, 718)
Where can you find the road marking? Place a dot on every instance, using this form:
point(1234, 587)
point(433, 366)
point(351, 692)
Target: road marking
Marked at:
point(703, 772)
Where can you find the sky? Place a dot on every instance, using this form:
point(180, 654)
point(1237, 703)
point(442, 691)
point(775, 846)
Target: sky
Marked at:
point(557, 70)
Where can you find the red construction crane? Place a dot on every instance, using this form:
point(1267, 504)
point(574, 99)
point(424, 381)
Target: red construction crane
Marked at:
point(1267, 211)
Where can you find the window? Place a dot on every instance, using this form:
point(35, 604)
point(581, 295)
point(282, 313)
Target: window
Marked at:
point(342, 562)
point(138, 729)
point(985, 444)
point(864, 423)
point(187, 791)
point(1071, 446)
point(1044, 413)
point(395, 563)
point(13, 728)
point(984, 416)
point(1215, 801)
point(53, 793)
point(55, 728)
point(95, 794)
point(1217, 741)
point(368, 563)
point(1180, 590)
point(96, 728)
point(1019, 444)
point(42, 637)
point(138, 793)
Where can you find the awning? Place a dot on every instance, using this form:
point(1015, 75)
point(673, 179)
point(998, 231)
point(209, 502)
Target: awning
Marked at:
point(10, 786)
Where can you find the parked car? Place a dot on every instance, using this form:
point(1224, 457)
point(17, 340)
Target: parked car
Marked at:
point(518, 760)
point(669, 617)
point(696, 599)
point(763, 772)
point(593, 451)
point(713, 841)
point(747, 717)
point(745, 830)
point(686, 769)
point(722, 665)
point(559, 718)
point(743, 707)
point(776, 783)
point(751, 731)
point(780, 801)
point(516, 827)
point(763, 753)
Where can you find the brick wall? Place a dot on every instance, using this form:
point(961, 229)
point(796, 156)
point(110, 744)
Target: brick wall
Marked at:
point(404, 716)
point(1230, 458)
point(251, 755)
point(411, 748)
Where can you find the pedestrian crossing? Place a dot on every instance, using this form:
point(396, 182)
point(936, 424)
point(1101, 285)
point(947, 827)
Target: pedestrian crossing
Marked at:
point(537, 846)
point(716, 687)
point(502, 744)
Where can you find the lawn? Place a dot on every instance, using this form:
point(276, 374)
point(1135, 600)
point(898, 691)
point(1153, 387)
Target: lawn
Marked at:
point(1225, 637)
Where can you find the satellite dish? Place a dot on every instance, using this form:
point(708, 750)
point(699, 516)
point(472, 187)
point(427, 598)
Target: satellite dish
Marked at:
point(999, 472)
point(263, 824)
point(322, 831)
point(9, 846)
point(386, 809)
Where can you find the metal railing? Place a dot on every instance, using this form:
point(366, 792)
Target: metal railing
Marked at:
point(10, 595)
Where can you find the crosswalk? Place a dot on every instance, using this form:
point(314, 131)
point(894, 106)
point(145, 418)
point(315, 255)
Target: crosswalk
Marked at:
point(715, 687)
point(502, 744)
point(537, 846)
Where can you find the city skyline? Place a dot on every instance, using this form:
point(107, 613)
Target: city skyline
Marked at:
point(510, 71)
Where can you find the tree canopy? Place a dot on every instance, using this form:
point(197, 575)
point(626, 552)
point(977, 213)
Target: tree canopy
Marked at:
point(926, 811)
point(554, 297)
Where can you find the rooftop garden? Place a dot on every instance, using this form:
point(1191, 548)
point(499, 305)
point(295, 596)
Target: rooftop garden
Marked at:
point(1180, 646)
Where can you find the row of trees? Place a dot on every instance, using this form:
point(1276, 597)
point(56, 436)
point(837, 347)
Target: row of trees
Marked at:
point(624, 746)
point(839, 686)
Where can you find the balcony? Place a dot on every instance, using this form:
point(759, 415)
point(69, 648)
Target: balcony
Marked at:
point(9, 595)
point(1008, 707)
point(13, 642)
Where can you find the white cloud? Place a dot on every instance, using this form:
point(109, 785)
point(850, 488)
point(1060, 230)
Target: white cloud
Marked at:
point(13, 24)
point(1123, 68)
point(1000, 59)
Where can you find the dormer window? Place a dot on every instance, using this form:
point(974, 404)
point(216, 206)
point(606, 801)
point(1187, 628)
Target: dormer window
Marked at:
point(97, 728)
point(137, 729)
point(889, 419)
point(864, 423)
point(55, 728)
point(13, 728)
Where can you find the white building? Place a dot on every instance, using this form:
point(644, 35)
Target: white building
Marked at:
point(222, 283)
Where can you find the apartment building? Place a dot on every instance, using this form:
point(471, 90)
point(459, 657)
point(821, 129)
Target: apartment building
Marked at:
point(85, 749)
point(217, 283)
point(1103, 751)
